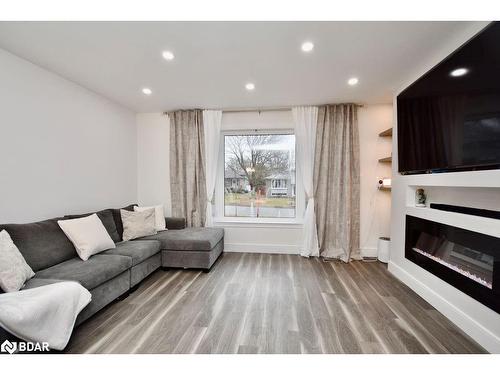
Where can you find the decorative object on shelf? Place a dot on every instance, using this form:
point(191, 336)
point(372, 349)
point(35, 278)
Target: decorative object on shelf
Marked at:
point(420, 198)
point(384, 249)
point(384, 183)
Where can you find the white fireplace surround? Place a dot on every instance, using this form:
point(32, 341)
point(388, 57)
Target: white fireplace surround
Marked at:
point(479, 189)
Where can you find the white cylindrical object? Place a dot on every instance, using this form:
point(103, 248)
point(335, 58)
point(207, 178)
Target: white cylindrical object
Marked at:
point(384, 183)
point(383, 249)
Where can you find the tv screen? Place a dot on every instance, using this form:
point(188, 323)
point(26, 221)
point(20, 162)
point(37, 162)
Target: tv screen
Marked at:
point(449, 119)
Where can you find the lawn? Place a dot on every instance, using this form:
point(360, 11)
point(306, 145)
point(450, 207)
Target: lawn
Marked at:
point(245, 200)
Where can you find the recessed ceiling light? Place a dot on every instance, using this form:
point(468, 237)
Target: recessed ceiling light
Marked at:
point(353, 81)
point(147, 91)
point(459, 72)
point(167, 55)
point(250, 86)
point(307, 46)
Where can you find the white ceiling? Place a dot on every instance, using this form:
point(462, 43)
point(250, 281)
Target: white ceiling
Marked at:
point(214, 60)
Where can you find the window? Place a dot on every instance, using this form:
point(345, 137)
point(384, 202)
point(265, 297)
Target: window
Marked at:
point(280, 183)
point(259, 175)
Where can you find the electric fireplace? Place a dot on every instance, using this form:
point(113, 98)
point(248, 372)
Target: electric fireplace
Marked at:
point(469, 261)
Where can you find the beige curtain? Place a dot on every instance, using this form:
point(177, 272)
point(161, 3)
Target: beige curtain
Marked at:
point(336, 181)
point(187, 166)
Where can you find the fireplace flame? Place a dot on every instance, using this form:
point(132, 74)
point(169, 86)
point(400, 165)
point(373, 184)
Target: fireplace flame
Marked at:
point(456, 268)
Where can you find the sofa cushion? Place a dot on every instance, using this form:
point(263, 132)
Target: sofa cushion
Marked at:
point(175, 223)
point(90, 273)
point(14, 271)
point(88, 235)
point(107, 219)
point(197, 239)
point(159, 215)
point(118, 219)
point(138, 224)
point(43, 244)
point(35, 283)
point(139, 251)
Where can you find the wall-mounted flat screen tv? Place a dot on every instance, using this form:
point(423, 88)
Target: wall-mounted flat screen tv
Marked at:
point(449, 119)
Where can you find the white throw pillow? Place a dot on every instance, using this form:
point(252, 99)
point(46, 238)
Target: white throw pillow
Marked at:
point(88, 235)
point(138, 224)
point(159, 215)
point(14, 271)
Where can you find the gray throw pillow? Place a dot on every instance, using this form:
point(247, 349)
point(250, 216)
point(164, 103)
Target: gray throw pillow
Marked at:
point(14, 271)
point(138, 224)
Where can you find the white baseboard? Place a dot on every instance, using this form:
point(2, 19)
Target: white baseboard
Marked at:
point(261, 248)
point(369, 252)
point(281, 249)
point(474, 329)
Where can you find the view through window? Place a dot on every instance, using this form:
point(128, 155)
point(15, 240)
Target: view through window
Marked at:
point(259, 175)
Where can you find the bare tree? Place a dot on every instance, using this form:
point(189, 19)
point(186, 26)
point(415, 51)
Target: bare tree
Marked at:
point(248, 156)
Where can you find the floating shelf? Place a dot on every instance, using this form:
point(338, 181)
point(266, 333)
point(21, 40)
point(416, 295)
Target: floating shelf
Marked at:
point(387, 188)
point(386, 133)
point(386, 160)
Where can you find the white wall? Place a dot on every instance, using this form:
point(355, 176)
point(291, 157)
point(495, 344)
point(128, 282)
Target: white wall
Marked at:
point(153, 160)
point(471, 189)
point(63, 148)
point(154, 183)
point(375, 204)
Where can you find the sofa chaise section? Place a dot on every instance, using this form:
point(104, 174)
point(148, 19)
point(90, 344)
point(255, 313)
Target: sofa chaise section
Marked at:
point(190, 247)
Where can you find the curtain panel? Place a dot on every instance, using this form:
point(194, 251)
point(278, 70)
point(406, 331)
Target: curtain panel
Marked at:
point(187, 166)
point(305, 119)
point(212, 122)
point(336, 181)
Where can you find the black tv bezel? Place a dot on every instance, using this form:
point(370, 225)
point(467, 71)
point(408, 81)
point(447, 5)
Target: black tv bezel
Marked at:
point(447, 169)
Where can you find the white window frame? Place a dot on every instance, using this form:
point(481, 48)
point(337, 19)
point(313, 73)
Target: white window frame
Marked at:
point(219, 217)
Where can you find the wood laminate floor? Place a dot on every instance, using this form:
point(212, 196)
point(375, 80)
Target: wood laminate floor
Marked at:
point(262, 303)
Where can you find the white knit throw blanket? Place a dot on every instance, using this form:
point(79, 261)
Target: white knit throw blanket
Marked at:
point(44, 314)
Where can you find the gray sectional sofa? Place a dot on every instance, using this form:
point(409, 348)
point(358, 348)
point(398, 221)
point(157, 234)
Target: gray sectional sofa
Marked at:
point(112, 273)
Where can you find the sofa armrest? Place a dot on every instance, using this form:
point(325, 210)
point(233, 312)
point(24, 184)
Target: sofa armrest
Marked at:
point(175, 222)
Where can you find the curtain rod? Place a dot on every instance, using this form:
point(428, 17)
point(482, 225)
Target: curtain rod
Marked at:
point(274, 109)
point(238, 110)
point(266, 109)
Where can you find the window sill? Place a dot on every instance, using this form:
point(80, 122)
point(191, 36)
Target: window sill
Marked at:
point(260, 223)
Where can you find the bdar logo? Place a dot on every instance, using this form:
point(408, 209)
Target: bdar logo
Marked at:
point(8, 347)
point(22, 347)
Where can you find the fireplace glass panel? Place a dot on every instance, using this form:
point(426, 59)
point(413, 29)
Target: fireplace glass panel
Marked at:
point(473, 264)
point(470, 261)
